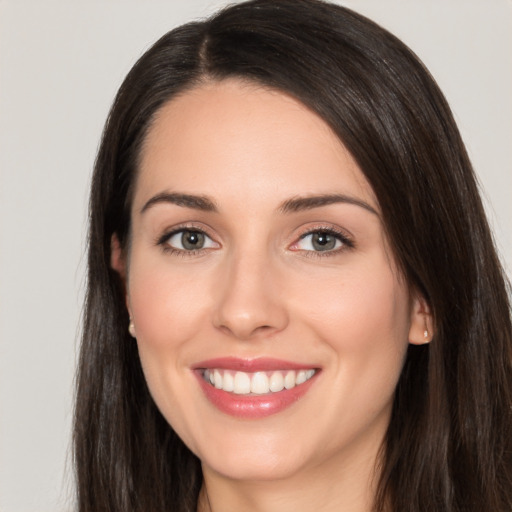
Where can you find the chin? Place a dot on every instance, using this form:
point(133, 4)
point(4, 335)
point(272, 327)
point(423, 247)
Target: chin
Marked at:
point(254, 467)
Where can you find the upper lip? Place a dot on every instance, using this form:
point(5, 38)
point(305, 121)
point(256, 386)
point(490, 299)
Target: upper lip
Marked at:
point(251, 365)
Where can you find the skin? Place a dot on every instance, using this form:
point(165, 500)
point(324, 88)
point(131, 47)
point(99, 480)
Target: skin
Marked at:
point(257, 289)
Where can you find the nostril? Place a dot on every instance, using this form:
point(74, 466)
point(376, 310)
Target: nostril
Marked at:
point(248, 331)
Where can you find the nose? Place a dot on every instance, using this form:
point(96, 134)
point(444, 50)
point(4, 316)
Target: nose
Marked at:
point(250, 302)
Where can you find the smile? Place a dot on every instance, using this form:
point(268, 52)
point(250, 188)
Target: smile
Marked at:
point(254, 388)
point(257, 383)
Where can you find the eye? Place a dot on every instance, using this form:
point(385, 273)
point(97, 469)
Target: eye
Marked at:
point(188, 240)
point(322, 240)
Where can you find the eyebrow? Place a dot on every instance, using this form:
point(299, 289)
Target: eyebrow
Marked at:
point(297, 204)
point(202, 203)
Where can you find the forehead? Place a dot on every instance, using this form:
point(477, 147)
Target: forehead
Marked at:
point(237, 135)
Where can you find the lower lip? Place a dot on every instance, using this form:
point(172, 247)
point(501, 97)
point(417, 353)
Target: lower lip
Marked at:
point(253, 406)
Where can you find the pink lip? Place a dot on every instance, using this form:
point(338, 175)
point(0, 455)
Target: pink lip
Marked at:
point(261, 364)
point(252, 406)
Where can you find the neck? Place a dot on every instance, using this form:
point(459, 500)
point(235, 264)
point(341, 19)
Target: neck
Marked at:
point(329, 488)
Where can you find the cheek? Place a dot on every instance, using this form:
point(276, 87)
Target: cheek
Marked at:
point(365, 299)
point(364, 316)
point(167, 306)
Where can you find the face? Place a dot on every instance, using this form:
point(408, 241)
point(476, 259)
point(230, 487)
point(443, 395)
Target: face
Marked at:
point(270, 319)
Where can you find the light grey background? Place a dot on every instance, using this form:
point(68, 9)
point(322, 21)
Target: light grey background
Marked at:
point(60, 65)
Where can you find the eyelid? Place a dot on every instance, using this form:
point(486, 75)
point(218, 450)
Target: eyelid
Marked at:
point(187, 226)
point(346, 239)
point(341, 234)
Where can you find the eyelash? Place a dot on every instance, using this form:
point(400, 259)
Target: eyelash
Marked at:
point(163, 239)
point(346, 242)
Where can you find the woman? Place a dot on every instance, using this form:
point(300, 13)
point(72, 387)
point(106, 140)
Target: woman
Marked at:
point(284, 217)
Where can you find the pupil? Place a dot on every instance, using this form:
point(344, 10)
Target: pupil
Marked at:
point(323, 241)
point(192, 240)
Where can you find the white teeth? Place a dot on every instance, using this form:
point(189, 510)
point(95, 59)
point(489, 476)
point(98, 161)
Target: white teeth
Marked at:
point(228, 383)
point(276, 382)
point(258, 383)
point(217, 379)
point(242, 383)
point(289, 380)
point(301, 377)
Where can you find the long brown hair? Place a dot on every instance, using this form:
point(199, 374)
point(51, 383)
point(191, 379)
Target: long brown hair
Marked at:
point(449, 443)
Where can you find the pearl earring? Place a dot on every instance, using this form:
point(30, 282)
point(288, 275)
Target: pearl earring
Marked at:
point(131, 328)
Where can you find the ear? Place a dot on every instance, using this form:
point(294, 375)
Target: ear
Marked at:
point(422, 324)
point(118, 263)
point(117, 259)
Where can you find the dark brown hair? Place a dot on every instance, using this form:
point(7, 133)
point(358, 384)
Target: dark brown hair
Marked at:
point(449, 444)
